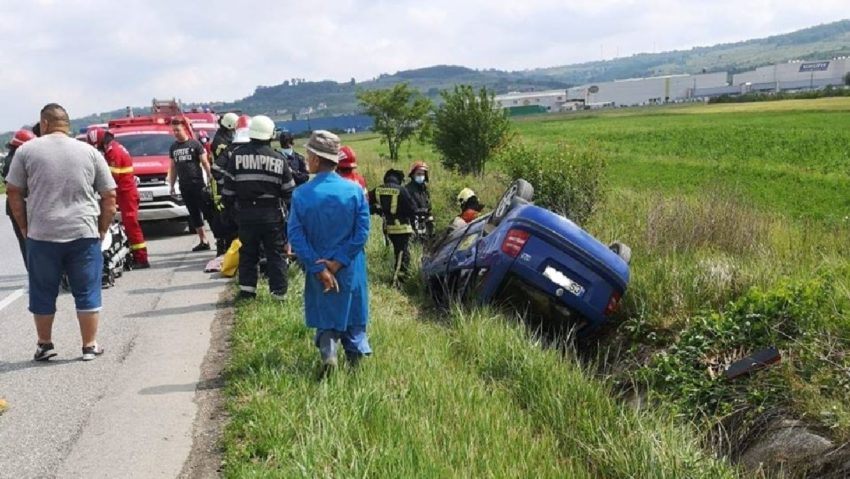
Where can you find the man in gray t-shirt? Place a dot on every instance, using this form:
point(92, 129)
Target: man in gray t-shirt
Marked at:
point(64, 222)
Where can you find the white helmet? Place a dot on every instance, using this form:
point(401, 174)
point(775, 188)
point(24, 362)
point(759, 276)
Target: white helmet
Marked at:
point(261, 128)
point(229, 120)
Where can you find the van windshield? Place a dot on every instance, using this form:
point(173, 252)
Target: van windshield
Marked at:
point(146, 144)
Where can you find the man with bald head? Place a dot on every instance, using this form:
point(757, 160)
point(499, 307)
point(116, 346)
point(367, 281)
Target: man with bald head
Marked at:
point(70, 202)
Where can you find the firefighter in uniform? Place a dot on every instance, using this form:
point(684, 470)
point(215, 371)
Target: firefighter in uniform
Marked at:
point(419, 191)
point(470, 208)
point(259, 184)
point(396, 206)
point(347, 165)
point(226, 218)
point(121, 165)
point(223, 136)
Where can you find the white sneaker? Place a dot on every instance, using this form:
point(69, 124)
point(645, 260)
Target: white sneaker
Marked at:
point(91, 352)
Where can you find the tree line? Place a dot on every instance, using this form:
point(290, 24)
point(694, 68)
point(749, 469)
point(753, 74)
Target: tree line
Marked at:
point(467, 129)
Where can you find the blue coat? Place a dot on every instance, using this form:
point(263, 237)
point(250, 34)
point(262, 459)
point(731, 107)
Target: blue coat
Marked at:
point(329, 219)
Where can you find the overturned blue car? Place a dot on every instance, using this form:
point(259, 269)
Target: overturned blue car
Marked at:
point(533, 260)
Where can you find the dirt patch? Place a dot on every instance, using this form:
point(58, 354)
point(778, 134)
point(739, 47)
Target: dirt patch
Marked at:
point(205, 459)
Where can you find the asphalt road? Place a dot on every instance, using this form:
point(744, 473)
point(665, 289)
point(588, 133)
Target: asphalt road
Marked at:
point(128, 413)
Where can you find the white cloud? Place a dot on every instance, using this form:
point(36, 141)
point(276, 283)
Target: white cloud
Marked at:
point(97, 55)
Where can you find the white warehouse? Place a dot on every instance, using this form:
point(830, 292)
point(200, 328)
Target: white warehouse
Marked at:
point(644, 91)
point(550, 100)
point(794, 75)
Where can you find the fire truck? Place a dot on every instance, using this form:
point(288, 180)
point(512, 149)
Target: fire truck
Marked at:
point(148, 139)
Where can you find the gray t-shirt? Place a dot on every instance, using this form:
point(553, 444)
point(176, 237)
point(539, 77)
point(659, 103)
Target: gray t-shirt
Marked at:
point(60, 176)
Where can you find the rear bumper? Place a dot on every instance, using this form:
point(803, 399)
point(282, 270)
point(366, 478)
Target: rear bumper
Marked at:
point(543, 251)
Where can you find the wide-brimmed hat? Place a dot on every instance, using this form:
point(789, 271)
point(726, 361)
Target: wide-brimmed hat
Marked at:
point(324, 144)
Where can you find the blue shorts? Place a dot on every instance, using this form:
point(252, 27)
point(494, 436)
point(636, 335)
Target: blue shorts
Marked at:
point(81, 260)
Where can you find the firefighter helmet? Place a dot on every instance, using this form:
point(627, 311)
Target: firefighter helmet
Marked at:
point(95, 136)
point(347, 158)
point(395, 176)
point(261, 128)
point(21, 136)
point(464, 195)
point(229, 120)
point(419, 165)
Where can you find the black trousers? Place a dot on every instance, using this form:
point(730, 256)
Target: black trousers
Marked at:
point(401, 250)
point(22, 241)
point(193, 197)
point(225, 229)
point(262, 227)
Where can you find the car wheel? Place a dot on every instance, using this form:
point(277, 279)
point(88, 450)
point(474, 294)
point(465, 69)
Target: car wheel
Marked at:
point(622, 250)
point(519, 189)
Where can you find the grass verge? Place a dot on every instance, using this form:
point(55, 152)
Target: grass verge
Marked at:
point(467, 394)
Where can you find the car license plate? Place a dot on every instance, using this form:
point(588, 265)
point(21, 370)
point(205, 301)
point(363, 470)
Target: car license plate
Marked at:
point(145, 195)
point(563, 281)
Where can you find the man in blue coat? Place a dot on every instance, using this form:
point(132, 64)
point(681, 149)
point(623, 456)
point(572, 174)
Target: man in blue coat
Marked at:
point(328, 229)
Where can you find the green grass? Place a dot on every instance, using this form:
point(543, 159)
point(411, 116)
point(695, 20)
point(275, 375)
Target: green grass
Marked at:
point(468, 395)
point(722, 205)
point(793, 159)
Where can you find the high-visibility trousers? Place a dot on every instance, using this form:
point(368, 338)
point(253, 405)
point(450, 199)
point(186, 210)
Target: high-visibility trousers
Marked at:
point(128, 203)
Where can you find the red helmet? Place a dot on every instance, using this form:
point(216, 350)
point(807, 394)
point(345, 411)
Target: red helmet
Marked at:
point(419, 165)
point(243, 122)
point(347, 158)
point(95, 136)
point(21, 137)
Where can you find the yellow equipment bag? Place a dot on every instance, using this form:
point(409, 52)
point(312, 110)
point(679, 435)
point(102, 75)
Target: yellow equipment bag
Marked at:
point(231, 260)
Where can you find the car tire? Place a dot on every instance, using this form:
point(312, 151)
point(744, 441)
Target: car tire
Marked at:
point(622, 250)
point(519, 189)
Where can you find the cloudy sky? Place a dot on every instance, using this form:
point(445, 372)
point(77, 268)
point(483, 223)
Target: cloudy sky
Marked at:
point(100, 55)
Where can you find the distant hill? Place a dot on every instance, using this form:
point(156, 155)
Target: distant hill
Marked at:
point(822, 42)
point(323, 98)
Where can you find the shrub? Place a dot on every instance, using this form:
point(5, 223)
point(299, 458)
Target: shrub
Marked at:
point(566, 179)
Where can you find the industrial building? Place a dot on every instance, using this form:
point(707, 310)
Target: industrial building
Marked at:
point(532, 102)
point(794, 76)
point(791, 76)
point(646, 91)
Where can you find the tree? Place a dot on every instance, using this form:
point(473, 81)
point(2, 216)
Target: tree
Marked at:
point(847, 79)
point(398, 113)
point(468, 129)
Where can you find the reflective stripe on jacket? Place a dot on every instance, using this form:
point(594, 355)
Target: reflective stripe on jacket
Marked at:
point(396, 206)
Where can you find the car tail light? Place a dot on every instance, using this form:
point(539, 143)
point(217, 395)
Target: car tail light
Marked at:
point(613, 303)
point(514, 242)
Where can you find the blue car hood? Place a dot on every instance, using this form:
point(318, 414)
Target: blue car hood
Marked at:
point(563, 233)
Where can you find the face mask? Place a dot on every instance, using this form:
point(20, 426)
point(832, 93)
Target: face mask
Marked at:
point(419, 179)
point(288, 151)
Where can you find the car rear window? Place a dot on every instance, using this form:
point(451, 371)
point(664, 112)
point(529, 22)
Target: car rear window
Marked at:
point(152, 144)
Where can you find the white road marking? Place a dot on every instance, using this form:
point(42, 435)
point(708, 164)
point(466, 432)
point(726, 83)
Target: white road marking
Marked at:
point(11, 298)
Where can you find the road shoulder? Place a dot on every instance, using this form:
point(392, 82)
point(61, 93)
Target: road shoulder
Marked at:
point(205, 459)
